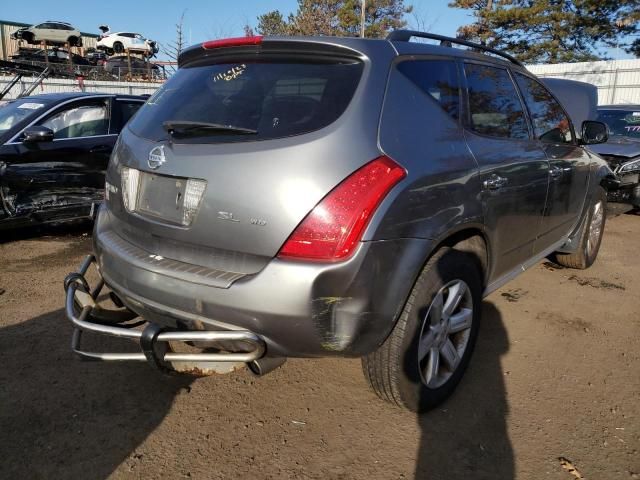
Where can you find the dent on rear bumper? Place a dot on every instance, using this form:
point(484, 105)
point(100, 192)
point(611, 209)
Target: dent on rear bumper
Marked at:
point(300, 309)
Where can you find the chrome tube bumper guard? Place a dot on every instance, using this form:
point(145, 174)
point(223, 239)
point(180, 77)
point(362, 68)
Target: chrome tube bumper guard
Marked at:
point(153, 339)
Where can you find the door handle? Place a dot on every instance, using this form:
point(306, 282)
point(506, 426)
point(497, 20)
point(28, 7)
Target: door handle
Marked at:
point(494, 182)
point(100, 149)
point(556, 172)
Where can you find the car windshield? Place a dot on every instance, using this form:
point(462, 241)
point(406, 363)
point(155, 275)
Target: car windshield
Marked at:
point(274, 100)
point(625, 123)
point(19, 111)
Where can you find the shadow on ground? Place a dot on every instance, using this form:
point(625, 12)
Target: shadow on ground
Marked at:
point(466, 437)
point(77, 419)
point(39, 231)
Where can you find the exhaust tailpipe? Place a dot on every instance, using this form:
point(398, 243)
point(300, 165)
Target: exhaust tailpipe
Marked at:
point(264, 365)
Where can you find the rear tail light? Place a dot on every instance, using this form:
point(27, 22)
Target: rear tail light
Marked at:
point(232, 42)
point(130, 185)
point(331, 231)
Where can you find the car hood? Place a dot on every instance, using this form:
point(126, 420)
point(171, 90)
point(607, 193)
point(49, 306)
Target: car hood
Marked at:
point(618, 146)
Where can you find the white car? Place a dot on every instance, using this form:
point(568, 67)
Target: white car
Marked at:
point(51, 32)
point(119, 42)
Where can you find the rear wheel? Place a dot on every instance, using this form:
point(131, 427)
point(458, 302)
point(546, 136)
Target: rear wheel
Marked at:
point(590, 235)
point(424, 358)
point(74, 42)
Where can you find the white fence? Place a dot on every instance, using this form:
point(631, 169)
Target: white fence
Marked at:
point(54, 85)
point(618, 81)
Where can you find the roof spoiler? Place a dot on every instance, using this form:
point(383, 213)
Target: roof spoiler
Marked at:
point(241, 48)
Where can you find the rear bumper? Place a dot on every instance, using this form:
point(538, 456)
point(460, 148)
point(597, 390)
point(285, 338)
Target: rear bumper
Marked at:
point(82, 309)
point(298, 309)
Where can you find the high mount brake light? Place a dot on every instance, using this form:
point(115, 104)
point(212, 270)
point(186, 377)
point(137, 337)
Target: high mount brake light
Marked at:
point(232, 42)
point(331, 231)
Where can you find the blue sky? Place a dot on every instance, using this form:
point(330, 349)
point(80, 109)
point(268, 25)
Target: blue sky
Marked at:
point(203, 19)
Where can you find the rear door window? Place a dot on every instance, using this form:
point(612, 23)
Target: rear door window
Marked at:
point(550, 122)
point(270, 100)
point(438, 79)
point(494, 106)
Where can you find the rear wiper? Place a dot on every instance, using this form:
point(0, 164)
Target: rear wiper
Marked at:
point(182, 127)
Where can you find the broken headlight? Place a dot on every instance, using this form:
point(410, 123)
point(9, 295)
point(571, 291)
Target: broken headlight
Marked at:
point(630, 166)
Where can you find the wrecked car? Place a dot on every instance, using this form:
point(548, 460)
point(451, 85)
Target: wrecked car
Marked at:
point(315, 196)
point(54, 150)
point(622, 150)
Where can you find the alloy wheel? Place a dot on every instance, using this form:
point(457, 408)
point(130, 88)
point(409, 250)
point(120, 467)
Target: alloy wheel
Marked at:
point(446, 328)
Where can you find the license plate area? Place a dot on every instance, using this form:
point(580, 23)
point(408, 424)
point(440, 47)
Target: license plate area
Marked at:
point(162, 197)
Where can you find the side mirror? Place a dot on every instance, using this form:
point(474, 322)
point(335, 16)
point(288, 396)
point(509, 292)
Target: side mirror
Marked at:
point(37, 134)
point(594, 132)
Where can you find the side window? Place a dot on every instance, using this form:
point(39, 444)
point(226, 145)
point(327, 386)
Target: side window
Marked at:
point(494, 106)
point(550, 122)
point(126, 111)
point(438, 79)
point(79, 121)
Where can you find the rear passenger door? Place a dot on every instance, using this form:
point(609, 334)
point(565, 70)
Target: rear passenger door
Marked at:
point(513, 166)
point(568, 163)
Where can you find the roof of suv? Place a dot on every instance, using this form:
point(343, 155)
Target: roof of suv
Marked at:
point(398, 39)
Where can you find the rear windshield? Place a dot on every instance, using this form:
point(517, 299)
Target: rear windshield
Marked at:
point(260, 100)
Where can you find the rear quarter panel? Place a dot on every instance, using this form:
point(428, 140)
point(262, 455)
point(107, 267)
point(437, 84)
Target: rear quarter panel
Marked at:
point(441, 191)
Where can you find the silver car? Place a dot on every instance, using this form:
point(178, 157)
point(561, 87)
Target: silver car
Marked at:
point(51, 32)
point(304, 197)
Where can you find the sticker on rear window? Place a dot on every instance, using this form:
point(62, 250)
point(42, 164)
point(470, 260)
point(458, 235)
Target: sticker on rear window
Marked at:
point(31, 105)
point(230, 74)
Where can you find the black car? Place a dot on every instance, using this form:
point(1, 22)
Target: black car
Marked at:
point(96, 57)
point(54, 150)
point(622, 150)
point(120, 65)
point(54, 55)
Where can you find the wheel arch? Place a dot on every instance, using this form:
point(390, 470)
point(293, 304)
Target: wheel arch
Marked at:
point(469, 238)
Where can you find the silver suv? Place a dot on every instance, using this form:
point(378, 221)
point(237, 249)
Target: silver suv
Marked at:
point(303, 197)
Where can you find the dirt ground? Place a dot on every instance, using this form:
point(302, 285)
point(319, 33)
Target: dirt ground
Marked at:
point(555, 375)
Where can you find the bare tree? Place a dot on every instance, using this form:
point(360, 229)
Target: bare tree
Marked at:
point(173, 49)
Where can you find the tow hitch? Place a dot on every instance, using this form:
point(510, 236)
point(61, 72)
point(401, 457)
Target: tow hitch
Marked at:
point(84, 311)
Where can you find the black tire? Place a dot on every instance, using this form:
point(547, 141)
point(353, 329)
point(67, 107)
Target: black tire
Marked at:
point(393, 371)
point(588, 246)
point(28, 37)
point(118, 47)
point(74, 42)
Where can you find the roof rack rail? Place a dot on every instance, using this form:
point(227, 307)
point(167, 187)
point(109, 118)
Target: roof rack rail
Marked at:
point(405, 36)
